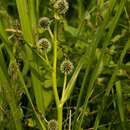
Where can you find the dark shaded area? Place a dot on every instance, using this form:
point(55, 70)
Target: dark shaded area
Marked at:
point(12, 9)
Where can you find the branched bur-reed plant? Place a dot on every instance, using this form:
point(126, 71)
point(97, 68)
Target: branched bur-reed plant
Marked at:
point(46, 47)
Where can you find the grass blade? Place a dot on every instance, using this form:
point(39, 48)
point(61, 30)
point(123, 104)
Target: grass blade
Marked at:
point(109, 86)
point(38, 92)
point(11, 100)
point(120, 103)
point(25, 20)
point(5, 39)
point(91, 52)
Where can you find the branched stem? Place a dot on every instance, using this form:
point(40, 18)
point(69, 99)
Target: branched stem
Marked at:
point(54, 75)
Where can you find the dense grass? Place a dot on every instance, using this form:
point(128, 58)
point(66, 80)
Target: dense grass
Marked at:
point(64, 66)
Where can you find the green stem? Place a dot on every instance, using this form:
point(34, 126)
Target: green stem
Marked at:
point(47, 60)
point(65, 82)
point(51, 34)
point(40, 56)
point(80, 9)
point(60, 114)
point(54, 75)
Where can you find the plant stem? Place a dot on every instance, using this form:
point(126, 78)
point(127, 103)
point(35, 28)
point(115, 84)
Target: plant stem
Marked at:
point(64, 85)
point(47, 60)
point(60, 114)
point(51, 34)
point(54, 82)
point(54, 74)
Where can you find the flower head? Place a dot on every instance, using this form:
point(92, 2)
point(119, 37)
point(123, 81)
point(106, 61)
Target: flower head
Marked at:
point(66, 67)
point(61, 6)
point(43, 45)
point(53, 125)
point(44, 22)
point(52, 1)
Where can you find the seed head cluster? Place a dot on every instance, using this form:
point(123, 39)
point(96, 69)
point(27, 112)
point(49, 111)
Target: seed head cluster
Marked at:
point(44, 22)
point(43, 45)
point(66, 67)
point(61, 6)
point(52, 125)
point(52, 1)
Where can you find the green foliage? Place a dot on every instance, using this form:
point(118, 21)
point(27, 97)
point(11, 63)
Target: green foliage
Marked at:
point(64, 65)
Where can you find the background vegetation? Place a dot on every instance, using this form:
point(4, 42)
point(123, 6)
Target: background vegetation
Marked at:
point(92, 34)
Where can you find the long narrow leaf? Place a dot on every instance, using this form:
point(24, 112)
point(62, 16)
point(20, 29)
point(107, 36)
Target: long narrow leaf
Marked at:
point(11, 100)
point(109, 86)
point(120, 103)
point(25, 20)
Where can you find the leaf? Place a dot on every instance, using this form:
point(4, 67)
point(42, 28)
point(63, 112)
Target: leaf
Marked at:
point(10, 97)
point(25, 20)
point(21, 79)
point(48, 97)
point(120, 103)
point(73, 31)
point(38, 93)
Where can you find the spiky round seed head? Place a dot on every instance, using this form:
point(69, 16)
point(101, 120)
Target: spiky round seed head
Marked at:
point(66, 67)
point(12, 71)
point(53, 125)
point(44, 22)
point(61, 6)
point(43, 45)
point(52, 1)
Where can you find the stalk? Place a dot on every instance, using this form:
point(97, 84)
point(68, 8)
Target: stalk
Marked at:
point(64, 85)
point(60, 114)
point(54, 75)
